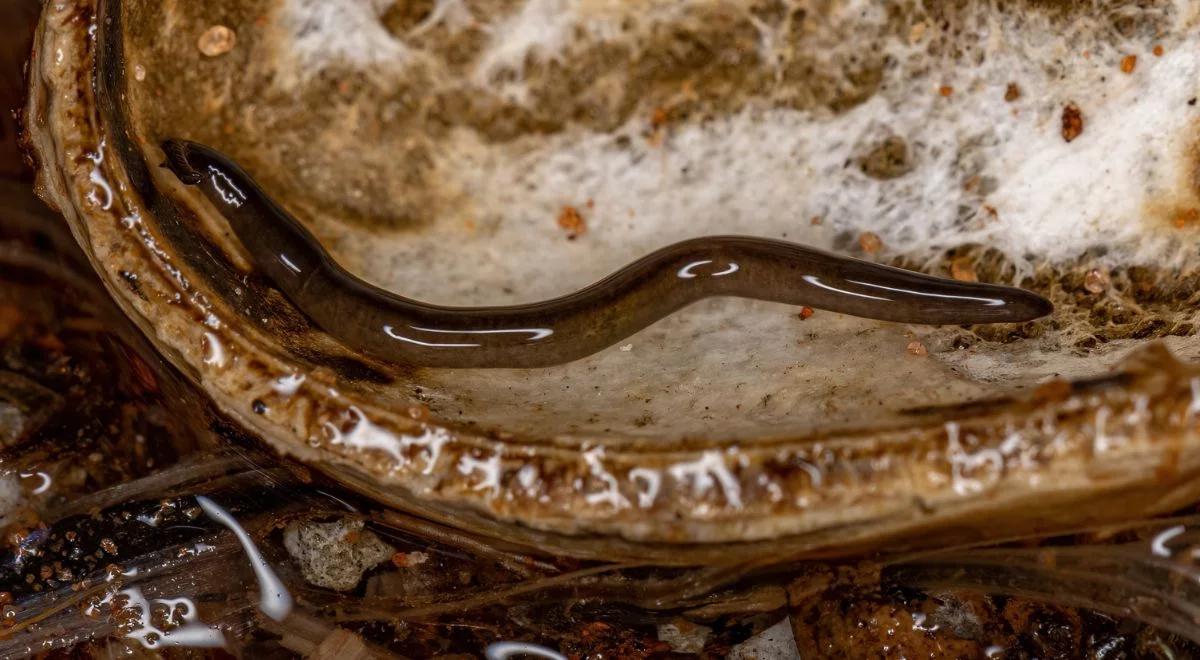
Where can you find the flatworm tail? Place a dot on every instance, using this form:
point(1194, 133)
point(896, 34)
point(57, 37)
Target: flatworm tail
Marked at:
point(407, 331)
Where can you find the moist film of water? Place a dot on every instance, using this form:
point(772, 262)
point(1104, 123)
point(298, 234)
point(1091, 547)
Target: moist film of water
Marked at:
point(137, 519)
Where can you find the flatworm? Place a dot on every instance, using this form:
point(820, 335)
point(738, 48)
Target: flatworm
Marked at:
point(551, 332)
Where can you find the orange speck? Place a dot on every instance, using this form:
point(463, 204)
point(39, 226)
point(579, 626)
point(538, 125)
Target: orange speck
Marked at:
point(659, 117)
point(1158, 50)
point(945, 90)
point(1072, 122)
point(870, 242)
point(1185, 218)
point(570, 220)
point(1128, 63)
point(816, 220)
point(917, 348)
point(1012, 92)
point(963, 270)
point(805, 313)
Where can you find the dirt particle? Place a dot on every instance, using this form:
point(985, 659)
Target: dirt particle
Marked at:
point(1072, 122)
point(570, 220)
point(945, 90)
point(659, 118)
point(1096, 281)
point(108, 546)
point(963, 269)
point(406, 559)
point(216, 40)
point(870, 242)
point(887, 160)
point(805, 313)
point(1128, 64)
point(1158, 50)
point(1012, 92)
point(916, 348)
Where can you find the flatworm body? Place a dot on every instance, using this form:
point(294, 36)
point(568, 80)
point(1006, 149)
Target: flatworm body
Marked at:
point(567, 328)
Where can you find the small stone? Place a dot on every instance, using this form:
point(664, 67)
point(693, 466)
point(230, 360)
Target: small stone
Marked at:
point(139, 72)
point(334, 555)
point(216, 40)
point(626, 348)
point(1095, 281)
point(775, 643)
point(1128, 64)
point(916, 348)
point(1072, 122)
point(1158, 50)
point(684, 636)
point(870, 242)
point(108, 546)
point(1012, 92)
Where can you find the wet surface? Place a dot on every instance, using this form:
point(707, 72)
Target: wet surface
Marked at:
point(136, 518)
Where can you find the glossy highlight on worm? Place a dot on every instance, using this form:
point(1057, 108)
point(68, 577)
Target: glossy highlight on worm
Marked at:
point(551, 332)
